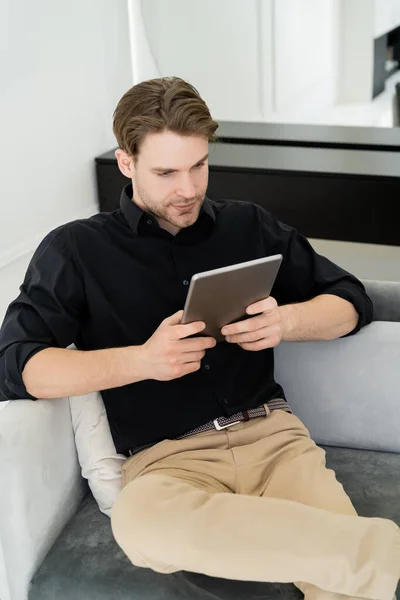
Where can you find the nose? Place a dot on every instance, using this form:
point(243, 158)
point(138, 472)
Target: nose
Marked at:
point(186, 187)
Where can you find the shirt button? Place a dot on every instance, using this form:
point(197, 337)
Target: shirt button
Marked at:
point(185, 282)
point(207, 367)
point(225, 401)
point(149, 222)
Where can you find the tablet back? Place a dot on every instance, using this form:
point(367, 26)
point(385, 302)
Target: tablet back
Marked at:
point(220, 296)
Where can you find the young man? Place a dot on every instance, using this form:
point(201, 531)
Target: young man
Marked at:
point(253, 500)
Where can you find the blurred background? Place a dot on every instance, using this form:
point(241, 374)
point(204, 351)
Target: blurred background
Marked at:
point(297, 61)
point(65, 65)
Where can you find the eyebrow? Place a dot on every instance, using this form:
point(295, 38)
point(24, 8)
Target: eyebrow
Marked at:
point(164, 169)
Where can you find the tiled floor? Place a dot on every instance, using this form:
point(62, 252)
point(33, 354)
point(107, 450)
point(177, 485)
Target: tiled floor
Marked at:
point(365, 261)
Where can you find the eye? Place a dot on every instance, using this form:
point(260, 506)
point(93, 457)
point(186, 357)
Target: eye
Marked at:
point(167, 173)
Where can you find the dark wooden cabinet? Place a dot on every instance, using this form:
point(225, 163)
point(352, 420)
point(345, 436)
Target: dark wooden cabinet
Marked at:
point(338, 183)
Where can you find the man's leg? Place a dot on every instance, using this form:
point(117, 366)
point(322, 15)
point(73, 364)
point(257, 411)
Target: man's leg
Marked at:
point(297, 471)
point(171, 520)
point(305, 478)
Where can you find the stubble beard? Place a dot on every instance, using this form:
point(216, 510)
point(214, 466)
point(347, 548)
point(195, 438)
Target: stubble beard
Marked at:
point(184, 220)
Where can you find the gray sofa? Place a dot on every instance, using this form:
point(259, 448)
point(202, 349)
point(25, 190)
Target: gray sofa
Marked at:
point(55, 544)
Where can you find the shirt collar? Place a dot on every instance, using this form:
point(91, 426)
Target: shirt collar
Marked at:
point(133, 213)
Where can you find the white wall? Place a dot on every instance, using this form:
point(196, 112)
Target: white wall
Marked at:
point(304, 55)
point(214, 45)
point(253, 61)
point(64, 67)
point(264, 60)
point(143, 63)
point(360, 22)
point(386, 16)
point(356, 51)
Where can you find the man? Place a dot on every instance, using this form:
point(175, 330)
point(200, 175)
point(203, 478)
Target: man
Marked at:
point(221, 477)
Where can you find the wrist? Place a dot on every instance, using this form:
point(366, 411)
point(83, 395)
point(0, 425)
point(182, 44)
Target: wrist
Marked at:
point(138, 363)
point(287, 313)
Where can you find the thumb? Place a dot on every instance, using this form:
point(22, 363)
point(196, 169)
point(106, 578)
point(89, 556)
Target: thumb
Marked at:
point(175, 319)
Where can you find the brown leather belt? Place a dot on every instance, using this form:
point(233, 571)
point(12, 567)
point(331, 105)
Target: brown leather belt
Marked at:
point(223, 422)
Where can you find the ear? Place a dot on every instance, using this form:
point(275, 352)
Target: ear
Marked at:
point(125, 163)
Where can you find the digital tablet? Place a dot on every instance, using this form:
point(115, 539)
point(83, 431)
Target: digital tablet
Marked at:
point(221, 296)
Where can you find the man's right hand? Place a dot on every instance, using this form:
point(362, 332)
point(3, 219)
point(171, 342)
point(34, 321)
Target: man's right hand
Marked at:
point(168, 355)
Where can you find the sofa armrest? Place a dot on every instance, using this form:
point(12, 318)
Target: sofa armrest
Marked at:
point(346, 391)
point(385, 296)
point(41, 487)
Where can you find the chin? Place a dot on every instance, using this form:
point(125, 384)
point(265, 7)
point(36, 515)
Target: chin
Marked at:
point(186, 221)
point(191, 221)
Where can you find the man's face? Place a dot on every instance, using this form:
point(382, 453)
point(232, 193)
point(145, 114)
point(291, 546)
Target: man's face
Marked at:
point(169, 177)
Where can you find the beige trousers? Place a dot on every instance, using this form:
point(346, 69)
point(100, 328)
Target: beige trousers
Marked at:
point(254, 502)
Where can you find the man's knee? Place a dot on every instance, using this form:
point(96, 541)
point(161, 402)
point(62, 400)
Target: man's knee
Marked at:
point(139, 518)
point(130, 519)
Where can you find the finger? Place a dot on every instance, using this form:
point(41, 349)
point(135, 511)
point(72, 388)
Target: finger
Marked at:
point(199, 343)
point(247, 325)
point(270, 342)
point(178, 332)
point(265, 305)
point(174, 319)
point(253, 336)
point(190, 367)
point(188, 357)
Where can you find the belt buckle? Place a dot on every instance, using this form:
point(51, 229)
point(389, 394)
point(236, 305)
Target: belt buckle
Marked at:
point(218, 427)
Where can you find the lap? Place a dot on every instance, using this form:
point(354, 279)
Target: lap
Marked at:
point(273, 456)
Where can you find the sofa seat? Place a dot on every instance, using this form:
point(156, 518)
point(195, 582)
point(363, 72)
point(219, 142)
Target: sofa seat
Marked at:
point(86, 563)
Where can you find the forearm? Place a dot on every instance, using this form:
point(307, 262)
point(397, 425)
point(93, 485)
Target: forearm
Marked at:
point(57, 372)
point(325, 317)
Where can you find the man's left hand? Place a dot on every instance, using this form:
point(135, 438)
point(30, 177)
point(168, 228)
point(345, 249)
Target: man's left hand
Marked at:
point(264, 330)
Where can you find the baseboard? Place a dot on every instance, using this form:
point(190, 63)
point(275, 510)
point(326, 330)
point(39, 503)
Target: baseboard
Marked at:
point(29, 246)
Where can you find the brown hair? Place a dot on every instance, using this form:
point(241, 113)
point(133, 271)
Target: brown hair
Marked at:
point(158, 104)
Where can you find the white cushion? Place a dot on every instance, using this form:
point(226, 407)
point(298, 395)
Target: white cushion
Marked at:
point(100, 463)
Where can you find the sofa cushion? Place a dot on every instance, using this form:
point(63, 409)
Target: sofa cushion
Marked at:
point(100, 463)
point(346, 391)
point(86, 563)
point(385, 296)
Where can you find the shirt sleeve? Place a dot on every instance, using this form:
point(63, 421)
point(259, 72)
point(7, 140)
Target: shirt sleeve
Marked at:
point(305, 274)
point(47, 313)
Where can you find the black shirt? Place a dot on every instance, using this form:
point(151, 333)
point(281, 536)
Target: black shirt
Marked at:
point(109, 280)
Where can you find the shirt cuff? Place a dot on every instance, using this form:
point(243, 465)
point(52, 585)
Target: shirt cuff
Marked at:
point(15, 360)
point(359, 299)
